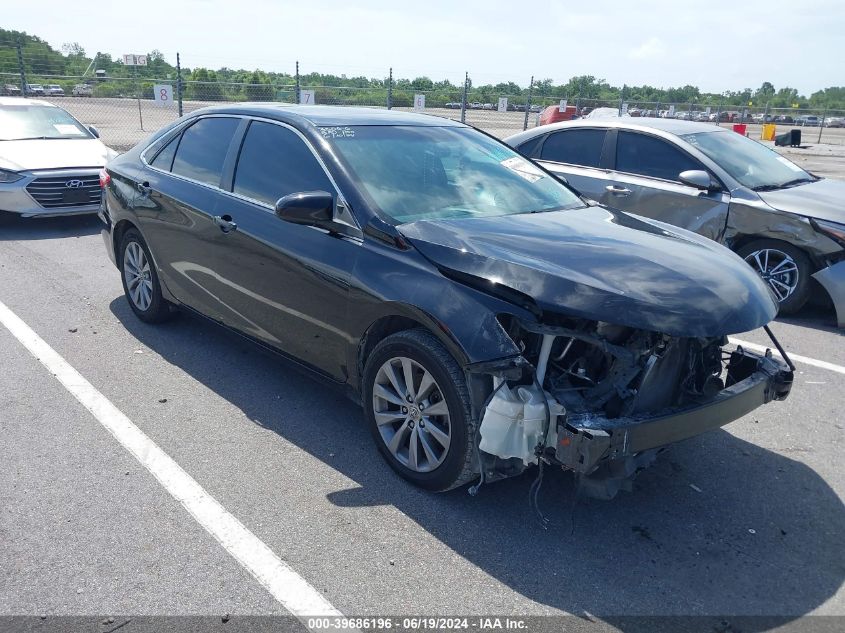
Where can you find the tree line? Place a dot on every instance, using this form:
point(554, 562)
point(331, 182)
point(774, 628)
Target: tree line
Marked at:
point(42, 62)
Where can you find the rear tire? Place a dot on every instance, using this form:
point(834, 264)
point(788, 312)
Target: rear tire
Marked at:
point(425, 432)
point(140, 280)
point(785, 268)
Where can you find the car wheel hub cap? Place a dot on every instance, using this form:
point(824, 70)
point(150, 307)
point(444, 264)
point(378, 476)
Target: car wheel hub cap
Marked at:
point(777, 269)
point(411, 414)
point(136, 273)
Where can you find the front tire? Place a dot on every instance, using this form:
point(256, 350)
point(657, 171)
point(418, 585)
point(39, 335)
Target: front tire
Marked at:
point(140, 280)
point(785, 268)
point(418, 408)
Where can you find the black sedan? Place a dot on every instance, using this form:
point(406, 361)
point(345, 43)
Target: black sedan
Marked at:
point(486, 316)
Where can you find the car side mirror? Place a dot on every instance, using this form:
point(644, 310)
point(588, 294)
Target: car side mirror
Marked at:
point(697, 178)
point(94, 131)
point(309, 208)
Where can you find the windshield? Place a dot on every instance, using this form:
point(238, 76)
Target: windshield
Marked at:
point(431, 173)
point(31, 121)
point(749, 162)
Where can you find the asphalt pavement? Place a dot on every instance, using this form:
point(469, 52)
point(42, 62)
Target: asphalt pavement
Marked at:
point(747, 520)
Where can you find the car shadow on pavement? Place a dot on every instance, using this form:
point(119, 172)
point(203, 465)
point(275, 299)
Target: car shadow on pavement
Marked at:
point(816, 317)
point(717, 527)
point(14, 227)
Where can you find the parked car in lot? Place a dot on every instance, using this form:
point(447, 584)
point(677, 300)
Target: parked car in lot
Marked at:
point(417, 263)
point(11, 90)
point(782, 118)
point(788, 224)
point(49, 161)
point(54, 90)
point(84, 90)
point(552, 114)
point(835, 121)
point(808, 120)
point(34, 90)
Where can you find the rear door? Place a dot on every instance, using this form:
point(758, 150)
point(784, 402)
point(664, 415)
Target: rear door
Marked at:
point(176, 208)
point(576, 154)
point(645, 182)
point(284, 284)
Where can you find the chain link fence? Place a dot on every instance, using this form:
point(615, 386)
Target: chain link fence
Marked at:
point(125, 109)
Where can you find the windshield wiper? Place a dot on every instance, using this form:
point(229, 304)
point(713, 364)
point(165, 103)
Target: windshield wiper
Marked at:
point(783, 185)
point(37, 138)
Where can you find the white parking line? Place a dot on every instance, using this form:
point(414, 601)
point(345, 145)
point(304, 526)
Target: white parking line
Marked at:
point(839, 369)
point(285, 585)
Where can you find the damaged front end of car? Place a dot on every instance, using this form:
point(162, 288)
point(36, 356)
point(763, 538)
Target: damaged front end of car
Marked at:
point(602, 400)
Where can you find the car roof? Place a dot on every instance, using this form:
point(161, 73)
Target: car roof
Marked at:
point(326, 115)
point(16, 101)
point(670, 126)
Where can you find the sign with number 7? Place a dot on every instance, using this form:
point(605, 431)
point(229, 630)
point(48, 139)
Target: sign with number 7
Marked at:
point(306, 97)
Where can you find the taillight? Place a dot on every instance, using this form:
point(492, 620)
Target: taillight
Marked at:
point(105, 179)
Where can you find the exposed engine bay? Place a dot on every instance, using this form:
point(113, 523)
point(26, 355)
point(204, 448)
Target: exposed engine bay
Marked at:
point(602, 399)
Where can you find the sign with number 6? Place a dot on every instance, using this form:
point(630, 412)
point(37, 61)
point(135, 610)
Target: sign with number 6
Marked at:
point(419, 102)
point(163, 94)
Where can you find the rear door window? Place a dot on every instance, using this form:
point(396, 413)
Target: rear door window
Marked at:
point(164, 159)
point(574, 147)
point(650, 156)
point(203, 148)
point(274, 162)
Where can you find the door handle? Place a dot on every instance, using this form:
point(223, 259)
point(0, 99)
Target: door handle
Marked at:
point(144, 188)
point(225, 223)
point(618, 191)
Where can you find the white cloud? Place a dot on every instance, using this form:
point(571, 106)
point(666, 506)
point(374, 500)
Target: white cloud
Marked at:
point(652, 48)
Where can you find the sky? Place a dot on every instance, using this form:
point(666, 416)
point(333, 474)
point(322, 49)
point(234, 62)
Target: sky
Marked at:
point(716, 45)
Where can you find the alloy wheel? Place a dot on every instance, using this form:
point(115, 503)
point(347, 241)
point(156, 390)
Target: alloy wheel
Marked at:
point(777, 269)
point(136, 272)
point(411, 414)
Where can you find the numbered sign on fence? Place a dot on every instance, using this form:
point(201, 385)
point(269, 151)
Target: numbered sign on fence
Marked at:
point(306, 97)
point(503, 104)
point(671, 111)
point(624, 108)
point(562, 106)
point(419, 102)
point(707, 111)
point(163, 94)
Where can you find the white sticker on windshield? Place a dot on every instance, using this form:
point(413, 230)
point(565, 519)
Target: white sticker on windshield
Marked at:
point(523, 168)
point(789, 164)
point(66, 128)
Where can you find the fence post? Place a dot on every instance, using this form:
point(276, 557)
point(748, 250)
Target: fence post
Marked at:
point(821, 124)
point(528, 103)
point(578, 105)
point(138, 95)
point(179, 83)
point(297, 82)
point(390, 90)
point(464, 99)
point(22, 71)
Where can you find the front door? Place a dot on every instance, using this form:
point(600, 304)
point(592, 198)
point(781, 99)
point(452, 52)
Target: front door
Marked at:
point(645, 182)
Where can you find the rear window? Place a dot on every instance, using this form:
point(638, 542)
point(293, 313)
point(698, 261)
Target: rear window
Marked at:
point(574, 147)
point(203, 148)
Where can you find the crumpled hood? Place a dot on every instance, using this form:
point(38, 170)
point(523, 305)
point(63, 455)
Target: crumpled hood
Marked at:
point(607, 266)
point(53, 154)
point(823, 200)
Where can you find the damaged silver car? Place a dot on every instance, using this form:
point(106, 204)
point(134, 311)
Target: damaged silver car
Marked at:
point(788, 224)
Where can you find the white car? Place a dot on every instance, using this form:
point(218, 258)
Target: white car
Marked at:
point(49, 162)
point(84, 90)
point(54, 90)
